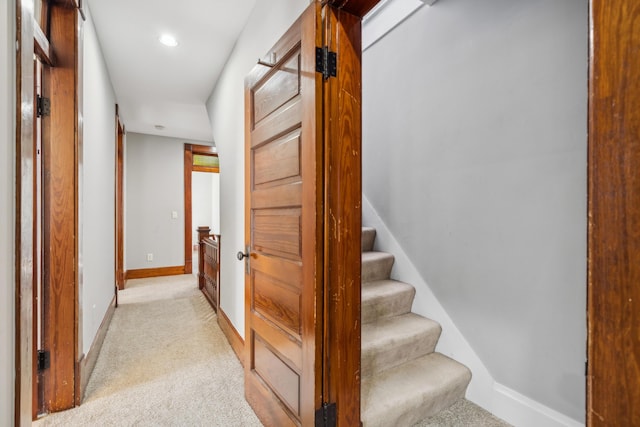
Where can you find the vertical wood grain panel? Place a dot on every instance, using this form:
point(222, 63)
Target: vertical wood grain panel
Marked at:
point(277, 302)
point(613, 381)
point(188, 165)
point(278, 375)
point(119, 203)
point(343, 215)
point(79, 185)
point(60, 152)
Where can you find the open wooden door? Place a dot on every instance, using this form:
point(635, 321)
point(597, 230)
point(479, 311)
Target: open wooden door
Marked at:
point(284, 229)
point(303, 224)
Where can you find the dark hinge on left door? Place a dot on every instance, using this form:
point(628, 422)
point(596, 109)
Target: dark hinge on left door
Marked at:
point(326, 416)
point(44, 360)
point(44, 106)
point(326, 62)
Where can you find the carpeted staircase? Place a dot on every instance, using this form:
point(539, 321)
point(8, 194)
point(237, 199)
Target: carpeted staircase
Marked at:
point(403, 379)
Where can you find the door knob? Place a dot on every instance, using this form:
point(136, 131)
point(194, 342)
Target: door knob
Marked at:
point(242, 255)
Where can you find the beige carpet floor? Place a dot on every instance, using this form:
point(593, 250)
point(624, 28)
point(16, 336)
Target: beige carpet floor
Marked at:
point(165, 362)
point(463, 414)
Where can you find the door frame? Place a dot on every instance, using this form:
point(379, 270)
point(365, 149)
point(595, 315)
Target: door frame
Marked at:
point(24, 220)
point(119, 203)
point(343, 214)
point(62, 333)
point(38, 300)
point(189, 151)
point(613, 289)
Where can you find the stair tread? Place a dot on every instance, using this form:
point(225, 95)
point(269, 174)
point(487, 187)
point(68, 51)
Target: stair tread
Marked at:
point(413, 391)
point(385, 298)
point(372, 256)
point(384, 289)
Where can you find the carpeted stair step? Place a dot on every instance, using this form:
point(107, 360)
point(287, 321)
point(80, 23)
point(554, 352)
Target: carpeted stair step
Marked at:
point(368, 237)
point(385, 298)
point(392, 341)
point(376, 266)
point(413, 391)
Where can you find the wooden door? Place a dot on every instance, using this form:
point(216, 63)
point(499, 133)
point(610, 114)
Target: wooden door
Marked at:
point(39, 122)
point(60, 167)
point(284, 229)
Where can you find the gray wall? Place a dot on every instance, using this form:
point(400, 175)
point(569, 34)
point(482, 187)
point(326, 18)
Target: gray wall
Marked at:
point(268, 21)
point(7, 138)
point(475, 138)
point(154, 181)
point(98, 187)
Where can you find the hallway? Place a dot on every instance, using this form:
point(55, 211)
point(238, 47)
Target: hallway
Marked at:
point(165, 362)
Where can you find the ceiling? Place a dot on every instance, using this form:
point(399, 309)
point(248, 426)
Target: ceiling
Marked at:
point(156, 85)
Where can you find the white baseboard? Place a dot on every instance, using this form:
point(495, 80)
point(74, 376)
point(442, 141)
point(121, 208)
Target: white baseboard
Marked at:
point(501, 401)
point(521, 411)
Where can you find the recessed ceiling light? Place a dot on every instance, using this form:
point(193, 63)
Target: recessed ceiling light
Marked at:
point(159, 127)
point(168, 40)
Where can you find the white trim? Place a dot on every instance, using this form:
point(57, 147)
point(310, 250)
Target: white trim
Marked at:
point(496, 398)
point(385, 16)
point(522, 411)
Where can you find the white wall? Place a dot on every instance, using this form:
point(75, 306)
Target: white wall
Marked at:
point(215, 203)
point(154, 181)
point(474, 156)
point(98, 192)
point(202, 201)
point(7, 154)
point(205, 207)
point(268, 21)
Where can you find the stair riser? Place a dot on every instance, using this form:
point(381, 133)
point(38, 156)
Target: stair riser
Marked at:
point(391, 306)
point(368, 237)
point(418, 409)
point(379, 269)
point(376, 360)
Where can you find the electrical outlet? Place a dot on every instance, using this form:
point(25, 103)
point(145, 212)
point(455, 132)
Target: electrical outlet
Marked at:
point(149, 257)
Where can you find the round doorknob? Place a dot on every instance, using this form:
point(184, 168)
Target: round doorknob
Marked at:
point(242, 255)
